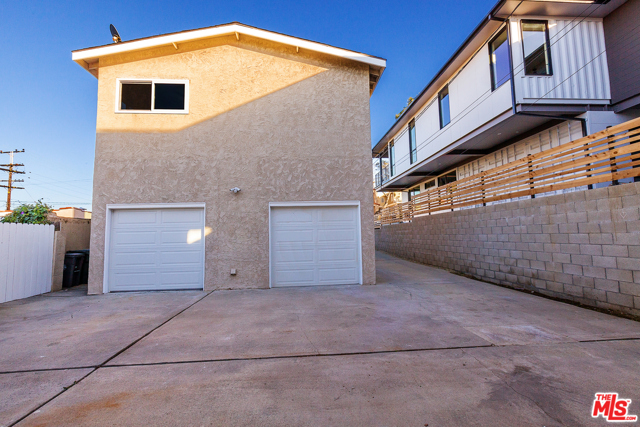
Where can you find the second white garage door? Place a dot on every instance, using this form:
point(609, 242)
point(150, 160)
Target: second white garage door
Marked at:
point(156, 249)
point(315, 245)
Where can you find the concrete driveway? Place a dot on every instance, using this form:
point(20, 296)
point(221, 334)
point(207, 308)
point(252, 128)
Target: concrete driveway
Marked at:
point(422, 347)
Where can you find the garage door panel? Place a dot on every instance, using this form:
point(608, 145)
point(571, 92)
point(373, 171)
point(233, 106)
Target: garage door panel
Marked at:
point(181, 216)
point(159, 257)
point(313, 246)
point(176, 278)
point(176, 237)
point(135, 259)
point(288, 217)
point(295, 277)
point(133, 278)
point(337, 236)
point(336, 255)
point(137, 217)
point(134, 238)
point(337, 214)
point(290, 236)
point(181, 258)
point(337, 275)
point(294, 255)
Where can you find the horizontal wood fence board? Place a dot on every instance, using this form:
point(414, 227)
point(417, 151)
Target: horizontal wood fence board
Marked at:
point(605, 156)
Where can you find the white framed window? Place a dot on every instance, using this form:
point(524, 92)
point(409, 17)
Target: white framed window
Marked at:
point(152, 96)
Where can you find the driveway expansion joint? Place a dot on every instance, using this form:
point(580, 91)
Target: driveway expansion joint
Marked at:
point(65, 389)
point(301, 356)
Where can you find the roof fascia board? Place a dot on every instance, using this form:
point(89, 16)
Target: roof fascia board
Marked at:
point(224, 30)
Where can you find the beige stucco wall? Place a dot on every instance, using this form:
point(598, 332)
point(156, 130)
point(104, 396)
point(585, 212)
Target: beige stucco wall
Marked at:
point(73, 235)
point(281, 125)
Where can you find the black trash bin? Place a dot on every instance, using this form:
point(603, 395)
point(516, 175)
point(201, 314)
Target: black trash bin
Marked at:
point(73, 262)
point(84, 274)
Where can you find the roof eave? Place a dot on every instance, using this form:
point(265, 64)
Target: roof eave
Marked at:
point(84, 56)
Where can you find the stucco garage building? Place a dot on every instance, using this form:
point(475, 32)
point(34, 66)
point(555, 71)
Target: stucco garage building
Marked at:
point(185, 117)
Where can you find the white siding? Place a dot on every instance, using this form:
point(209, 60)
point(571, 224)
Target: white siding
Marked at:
point(580, 72)
point(427, 125)
point(401, 144)
point(580, 75)
point(472, 105)
point(26, 260)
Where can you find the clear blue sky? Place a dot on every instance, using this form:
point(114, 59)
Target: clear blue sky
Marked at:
point(48, 103)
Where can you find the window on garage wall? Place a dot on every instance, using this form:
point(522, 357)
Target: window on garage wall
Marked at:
point(152, 96)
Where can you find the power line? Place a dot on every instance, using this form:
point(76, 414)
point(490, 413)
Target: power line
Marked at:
point(10, 169)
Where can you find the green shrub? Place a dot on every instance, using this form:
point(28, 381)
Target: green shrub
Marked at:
point(29, 214)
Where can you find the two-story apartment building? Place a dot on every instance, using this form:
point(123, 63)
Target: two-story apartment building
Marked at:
point(217, 152)
point(532, 75)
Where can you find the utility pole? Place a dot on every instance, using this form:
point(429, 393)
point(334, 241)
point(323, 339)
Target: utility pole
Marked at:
point(10, 168)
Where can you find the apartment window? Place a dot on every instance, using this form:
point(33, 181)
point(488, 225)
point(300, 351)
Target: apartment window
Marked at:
point(500, 62)
point(447, 178)
point(152, 96)
point(384, 166)
point(413, 149)
point(430, 184)
point(443, 102)
point(537, 51)
point(392, 157)
point(414, 192)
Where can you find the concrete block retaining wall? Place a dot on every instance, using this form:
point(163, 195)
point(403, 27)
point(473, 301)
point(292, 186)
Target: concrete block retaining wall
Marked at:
point(582, 246)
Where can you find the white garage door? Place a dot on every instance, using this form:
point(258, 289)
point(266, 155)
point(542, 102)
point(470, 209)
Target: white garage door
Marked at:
point(313, 246)
point(156, 249)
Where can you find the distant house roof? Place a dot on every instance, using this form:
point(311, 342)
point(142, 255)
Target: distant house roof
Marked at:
point(87, 58)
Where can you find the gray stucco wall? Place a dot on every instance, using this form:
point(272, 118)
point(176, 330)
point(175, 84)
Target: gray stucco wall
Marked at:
point(582, 246)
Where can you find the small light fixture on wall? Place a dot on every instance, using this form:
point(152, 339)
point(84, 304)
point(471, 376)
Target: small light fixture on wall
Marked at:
point(235, 190)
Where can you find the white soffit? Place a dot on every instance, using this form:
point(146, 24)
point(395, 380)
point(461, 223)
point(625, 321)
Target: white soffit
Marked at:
point(92, 53)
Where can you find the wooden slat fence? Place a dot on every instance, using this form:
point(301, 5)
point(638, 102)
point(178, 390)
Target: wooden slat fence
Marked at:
point(606, 156)
point(26, 260)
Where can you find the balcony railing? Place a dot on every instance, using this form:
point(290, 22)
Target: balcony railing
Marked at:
point(607, 156)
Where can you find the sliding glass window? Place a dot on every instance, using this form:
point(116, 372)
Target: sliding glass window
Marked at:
point(537, 50)
point(413, 149)
point(500, 63)
point(392, 158)
point(445, 111)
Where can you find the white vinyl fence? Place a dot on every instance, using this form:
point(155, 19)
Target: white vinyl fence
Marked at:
point(26, 260)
